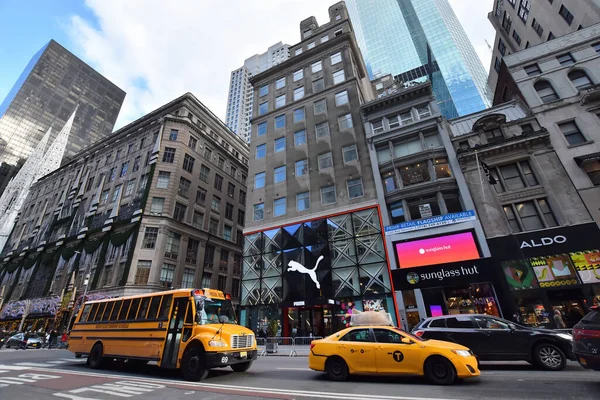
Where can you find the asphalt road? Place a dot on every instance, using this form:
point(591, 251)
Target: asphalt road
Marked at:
point(48, 374)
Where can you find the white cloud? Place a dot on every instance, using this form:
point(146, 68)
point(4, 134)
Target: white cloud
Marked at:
point(157, 50)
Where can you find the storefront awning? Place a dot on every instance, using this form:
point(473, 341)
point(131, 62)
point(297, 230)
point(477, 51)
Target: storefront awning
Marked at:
point(587, 158)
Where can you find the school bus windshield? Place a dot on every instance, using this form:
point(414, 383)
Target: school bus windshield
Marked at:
point(214, 311)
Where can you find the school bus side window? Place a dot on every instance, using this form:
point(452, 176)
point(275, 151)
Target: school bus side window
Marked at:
point(101, 309)
point(135, 305)
point(165, 306)
point(85, 312)
point(115, 311)
point(143, 308)
point(93, 312)
point(124, 309)
point(154, 306)
point(109, 307)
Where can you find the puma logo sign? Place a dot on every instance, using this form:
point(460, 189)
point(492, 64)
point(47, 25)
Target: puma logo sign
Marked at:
point(296, 266)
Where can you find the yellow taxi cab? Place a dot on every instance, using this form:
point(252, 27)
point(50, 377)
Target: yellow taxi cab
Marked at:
point(382, 349)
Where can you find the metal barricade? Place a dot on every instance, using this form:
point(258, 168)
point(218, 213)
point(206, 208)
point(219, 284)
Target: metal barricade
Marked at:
point(302, 345)
point(261, 346)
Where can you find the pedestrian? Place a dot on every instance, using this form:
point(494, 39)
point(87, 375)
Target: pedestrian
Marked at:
point(558, 320)
point(516, 318)
point(23, 343)
point(63, 340)
point(53, 336)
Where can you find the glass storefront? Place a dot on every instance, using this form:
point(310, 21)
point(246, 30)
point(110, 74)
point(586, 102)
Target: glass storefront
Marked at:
point(475, 298)
point(315, 273)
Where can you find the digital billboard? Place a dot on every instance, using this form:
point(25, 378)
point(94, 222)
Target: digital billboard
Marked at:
point(437, 250)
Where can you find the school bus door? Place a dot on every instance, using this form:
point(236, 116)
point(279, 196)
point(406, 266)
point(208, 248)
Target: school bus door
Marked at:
point(178, 330)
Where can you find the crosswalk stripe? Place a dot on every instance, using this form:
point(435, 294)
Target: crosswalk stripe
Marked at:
point(13, 367)
point(74, 359)
point(30, 364)
point(57, 362)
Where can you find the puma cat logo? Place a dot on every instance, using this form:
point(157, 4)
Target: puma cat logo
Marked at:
point(296, 266)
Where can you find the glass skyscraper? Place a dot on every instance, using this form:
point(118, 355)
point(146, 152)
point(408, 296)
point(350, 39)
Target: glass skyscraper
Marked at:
point(420, 39)
point(52, 84)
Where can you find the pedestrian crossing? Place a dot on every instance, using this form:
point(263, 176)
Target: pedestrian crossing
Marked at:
point(22, 366)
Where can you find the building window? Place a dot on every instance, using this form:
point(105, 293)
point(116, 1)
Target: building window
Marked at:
point(501, 47)
point(179, 214)
point(406, 118)
point(537, 27)
point(397, 212)
point(279, 207)
point(355, 188)
point(221, 163)
point(316, 67)
point(259, 180)
point(524, 8)
point(325, 161)
point(532, 70)
point(230, 190)
point(136, 164)
point(187, 281)
point(198, 220)
point(494, 135)
point(264, 107)
point(298, 115)
point(242, 197)
point(204, 173)
point(298, 93)
point(336, 58)
point(192, 142)
point(415, 173)
point(279, 122)
point(546, 92)
point(564, 12)
point(280, 83)
point(566, 59)
point(530, 215)
point(300, 138)
point(142, 272)
point(377, 126)
point(515, 176)
point(592, 168)
point(345, 122)
point(166, 275)
point(341, 98)
point(506, 22)
point(516, 36)
point(116, 193)
point(207, 279)
point(280, 144)
point(572, 133)
point(215, 205)
point(124, 168)
point(229, 211)
point(279, 174)
point(129, 188)
point(327, 195)
point(263, 90)
point(322, 130)
point(156, 208)
point(218, 182)
point(301, 168)
point(303, 201)
point(350, 153)
point(280, 101)
point(259, 212)
point(150, 235)
point(173, 134)
point(339, 77)
point(191, 253)
point(213, 226)
point(184, 187)
point(241, 217)
point(163, 180)
point(188, 163)
point(497, 64)
point(261, 151)
point(227, 232)
point(320, 106)
point(172, 245)
point(580, 79)
point(208, 153)
point(261, 129)
point(318, 85)
point(169, 155)
point(298, 75)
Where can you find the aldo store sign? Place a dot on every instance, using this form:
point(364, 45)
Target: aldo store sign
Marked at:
point(441, 275)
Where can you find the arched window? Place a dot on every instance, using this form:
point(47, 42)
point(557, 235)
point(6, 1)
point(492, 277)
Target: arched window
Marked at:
point(580, 79)
point(546, 92)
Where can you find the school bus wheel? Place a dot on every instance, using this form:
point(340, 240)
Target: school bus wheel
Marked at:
point(95, 359)
point(193, 364)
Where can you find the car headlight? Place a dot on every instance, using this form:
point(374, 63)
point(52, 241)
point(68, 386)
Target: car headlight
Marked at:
point(216, 343)
point(565, 336)
point(464, 353)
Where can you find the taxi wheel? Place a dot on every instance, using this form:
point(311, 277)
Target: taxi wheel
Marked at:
point(95, 359)
point(192, 365)
point(241, 367)
point(440, 371)
point(336, 369)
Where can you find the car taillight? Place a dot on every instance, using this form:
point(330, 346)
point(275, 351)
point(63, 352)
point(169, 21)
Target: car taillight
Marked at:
point(418, 333)
point(312, 344)
point(579, 334)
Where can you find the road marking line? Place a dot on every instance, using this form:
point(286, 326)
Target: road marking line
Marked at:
point(13, 367)
point(57, 362)
point(293, 369)
point(74, 359)
point(30, 364)
point(248, 389)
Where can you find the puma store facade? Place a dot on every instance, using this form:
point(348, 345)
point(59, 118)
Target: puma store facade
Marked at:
point(311, 275)
point(550, 269)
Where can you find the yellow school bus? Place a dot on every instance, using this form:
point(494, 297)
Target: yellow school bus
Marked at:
point(193, 330)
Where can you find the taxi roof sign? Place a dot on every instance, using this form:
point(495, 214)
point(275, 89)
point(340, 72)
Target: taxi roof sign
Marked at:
point(360, 318)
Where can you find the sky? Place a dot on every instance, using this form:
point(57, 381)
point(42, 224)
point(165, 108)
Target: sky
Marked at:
point(156, 50)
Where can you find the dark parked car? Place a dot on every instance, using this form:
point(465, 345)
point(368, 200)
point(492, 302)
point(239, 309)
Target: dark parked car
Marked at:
point(496, 339)
point(586, 340)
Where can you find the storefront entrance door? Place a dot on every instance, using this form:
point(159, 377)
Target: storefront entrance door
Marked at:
point(308, 322)
point(569, 303)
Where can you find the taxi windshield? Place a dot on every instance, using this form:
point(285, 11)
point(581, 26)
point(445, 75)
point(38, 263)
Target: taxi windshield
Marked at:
point(214, 311)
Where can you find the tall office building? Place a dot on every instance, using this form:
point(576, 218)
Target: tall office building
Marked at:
point(45, 95)
point(415, 40)
point(239, 102)
point(520, 24)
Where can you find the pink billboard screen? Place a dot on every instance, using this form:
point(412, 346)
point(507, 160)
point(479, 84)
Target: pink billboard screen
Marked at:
point(438, 250)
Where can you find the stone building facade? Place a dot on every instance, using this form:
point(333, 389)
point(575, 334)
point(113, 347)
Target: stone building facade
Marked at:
point(158, 204)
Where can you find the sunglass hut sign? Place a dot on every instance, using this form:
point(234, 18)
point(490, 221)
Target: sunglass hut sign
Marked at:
point(415, 278)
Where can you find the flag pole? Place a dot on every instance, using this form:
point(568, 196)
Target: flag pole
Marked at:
point(480, 178)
